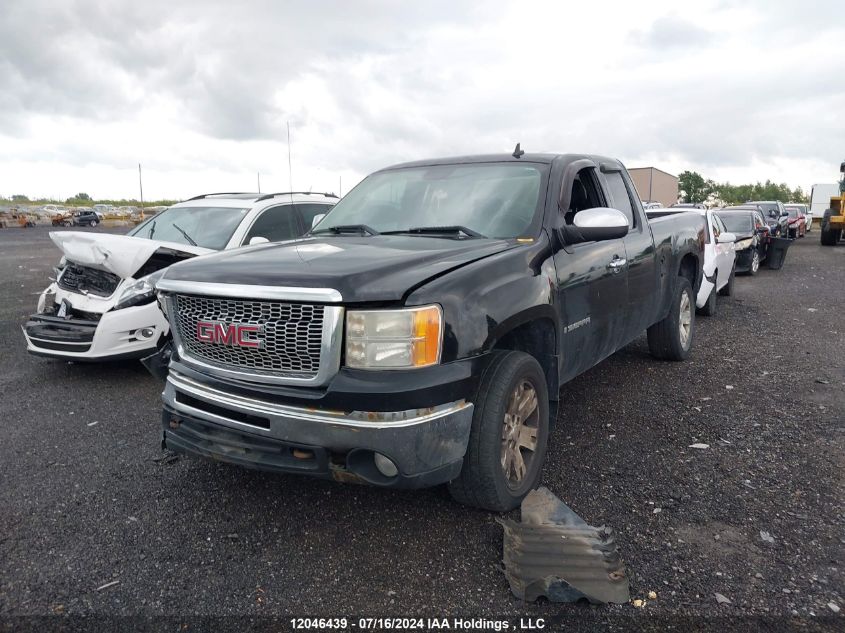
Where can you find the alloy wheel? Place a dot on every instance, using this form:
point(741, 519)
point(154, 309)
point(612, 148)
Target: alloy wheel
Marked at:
point(685, 319)
point(519, 433)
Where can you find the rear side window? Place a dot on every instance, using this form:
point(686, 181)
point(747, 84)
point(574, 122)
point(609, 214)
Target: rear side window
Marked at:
point(276, 224)
point(619, 193)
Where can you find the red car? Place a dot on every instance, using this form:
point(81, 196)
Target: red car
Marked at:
point(797, 221)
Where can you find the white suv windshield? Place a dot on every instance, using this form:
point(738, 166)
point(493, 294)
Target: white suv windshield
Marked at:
point(209, 227)
point(494, 200)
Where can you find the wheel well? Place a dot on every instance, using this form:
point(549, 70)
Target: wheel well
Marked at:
point(689, 269)
point(537, 338)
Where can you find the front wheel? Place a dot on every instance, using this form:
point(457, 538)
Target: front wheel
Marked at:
point(829, 236)
point(93, 223)
point(509, 434)
point(755, 263)
point(709, 308)
point(671, 338)
point(728, 289)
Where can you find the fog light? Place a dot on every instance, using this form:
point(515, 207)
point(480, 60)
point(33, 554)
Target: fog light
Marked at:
point(385, 466)
point(147, 332)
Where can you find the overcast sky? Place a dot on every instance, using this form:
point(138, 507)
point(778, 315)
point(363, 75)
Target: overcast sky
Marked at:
point(200, 92)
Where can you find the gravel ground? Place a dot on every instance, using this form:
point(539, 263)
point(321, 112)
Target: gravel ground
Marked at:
point(86, 498)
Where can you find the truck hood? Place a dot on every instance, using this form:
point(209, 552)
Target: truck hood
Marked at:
point(122, 255)
point(377, 268)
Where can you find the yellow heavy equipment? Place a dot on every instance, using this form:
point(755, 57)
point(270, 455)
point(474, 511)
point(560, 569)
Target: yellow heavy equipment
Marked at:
point(833, 220)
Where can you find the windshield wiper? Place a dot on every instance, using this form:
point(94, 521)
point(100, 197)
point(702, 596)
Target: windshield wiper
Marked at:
point(439, 230)
point(347, 228)
point(152, 230)
point(186, 236)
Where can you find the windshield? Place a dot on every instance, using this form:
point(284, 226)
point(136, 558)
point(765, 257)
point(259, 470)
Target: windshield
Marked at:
point(209, 227)
point(792, 211)
point(737, 222)
point(769, 210)
point(495, 200)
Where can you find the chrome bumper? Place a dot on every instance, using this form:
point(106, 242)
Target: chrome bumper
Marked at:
point(418, 441)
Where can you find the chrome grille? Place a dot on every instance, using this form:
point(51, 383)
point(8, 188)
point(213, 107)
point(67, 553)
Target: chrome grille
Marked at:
point(291, 334)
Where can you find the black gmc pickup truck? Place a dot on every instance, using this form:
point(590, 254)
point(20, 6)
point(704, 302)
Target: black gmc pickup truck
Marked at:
point(421, 332)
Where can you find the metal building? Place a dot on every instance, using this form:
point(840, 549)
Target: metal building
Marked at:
point(655, 185)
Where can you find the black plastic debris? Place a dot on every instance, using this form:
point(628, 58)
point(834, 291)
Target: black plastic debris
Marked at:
point(554, 553)
point(776, 254)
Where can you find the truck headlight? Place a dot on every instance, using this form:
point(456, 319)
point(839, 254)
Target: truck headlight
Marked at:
point(138, 293)
point(394, 339)
point(741, 245)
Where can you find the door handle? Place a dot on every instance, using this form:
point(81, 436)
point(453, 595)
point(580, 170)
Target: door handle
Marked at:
point(617, 264)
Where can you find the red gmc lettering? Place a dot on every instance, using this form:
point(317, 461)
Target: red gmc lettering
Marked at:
point(227, 333)
point(243, 329)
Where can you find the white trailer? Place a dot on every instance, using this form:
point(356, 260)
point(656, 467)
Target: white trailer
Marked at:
point(820, 200)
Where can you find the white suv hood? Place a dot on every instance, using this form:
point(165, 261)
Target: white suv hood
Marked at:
point(122, 255)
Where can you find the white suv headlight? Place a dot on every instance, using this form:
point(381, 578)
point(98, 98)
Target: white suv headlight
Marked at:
point(394, 339)
point(139, 292)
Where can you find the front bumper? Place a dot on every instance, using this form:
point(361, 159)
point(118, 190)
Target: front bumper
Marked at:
point(426, 445)
point(116, 335)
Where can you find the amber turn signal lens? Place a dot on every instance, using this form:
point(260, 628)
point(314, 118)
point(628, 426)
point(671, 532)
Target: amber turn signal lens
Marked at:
point(426, 336)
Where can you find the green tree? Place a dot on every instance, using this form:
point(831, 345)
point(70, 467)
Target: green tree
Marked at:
point(19, 198)
point(80, 198)
point(694, 187)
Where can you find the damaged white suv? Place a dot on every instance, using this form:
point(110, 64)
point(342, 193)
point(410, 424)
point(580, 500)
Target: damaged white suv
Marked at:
point(101, 305)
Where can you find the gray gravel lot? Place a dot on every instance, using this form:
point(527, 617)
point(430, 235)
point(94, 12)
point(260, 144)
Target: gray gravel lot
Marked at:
point(86, 498)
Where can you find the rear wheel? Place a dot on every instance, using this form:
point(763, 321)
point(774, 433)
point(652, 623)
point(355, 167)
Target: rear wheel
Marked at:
point(671, 338)
point(509, 435)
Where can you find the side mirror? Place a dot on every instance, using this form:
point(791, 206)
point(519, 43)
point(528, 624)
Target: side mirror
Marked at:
point(258, 240)
point(726, 238)
point(317, 219)
point(599, 223)
point(784, 213)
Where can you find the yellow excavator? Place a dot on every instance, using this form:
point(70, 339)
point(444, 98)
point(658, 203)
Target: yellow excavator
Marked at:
point(833, 220)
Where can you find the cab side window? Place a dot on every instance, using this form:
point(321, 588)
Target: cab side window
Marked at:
point(586, 194)
point(619, 193)
point(276, 224)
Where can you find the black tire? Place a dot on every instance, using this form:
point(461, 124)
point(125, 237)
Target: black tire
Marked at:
point(829, 236)
point(483, 482)
point(93, 223)
point(664, 337)
point(709, 308)
point(728, 289)
point(754, 268)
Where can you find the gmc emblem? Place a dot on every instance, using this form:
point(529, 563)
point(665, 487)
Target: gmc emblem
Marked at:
point(232, 334)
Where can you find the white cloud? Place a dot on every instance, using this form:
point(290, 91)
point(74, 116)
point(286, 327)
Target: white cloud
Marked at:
point(200, 93)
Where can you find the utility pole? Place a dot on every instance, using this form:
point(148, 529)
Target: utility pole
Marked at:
point(290, 164)
point(340, 186)
point(141, 184)
point(259, 181)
